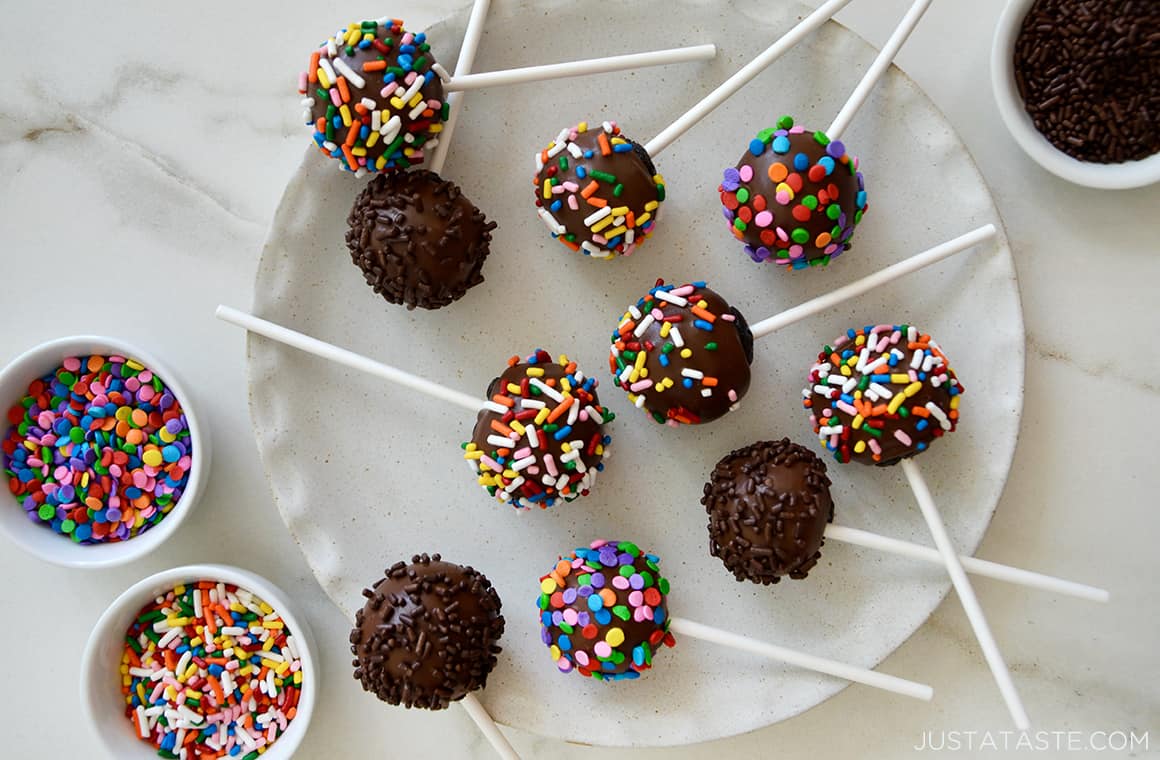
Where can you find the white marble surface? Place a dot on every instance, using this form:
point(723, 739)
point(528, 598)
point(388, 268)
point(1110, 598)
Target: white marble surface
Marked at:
point(139, 168)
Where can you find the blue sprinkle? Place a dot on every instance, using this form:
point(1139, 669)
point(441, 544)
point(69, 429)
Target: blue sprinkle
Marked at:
point(781, 144)
point(563, 433)
point(564, 643)
point(757, 147)
point(556, 206)
point(603, 616)
point(701, 324)
point(860, 199)
point(922, 425)
point(687, 382)
point(801, 162)
point(581, 172)
point(589, 153)
point(828, 163)
point(664, 360)
point(621, 148)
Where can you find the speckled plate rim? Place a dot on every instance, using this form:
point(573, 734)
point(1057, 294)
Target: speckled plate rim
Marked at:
point(268, 451)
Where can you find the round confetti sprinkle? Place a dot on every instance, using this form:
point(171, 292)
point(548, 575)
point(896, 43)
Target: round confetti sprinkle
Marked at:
point(210, 670)
point(605, 631)
point(374, 95)
point(540, 438)
point(881, 393)
point(597, 191)
point(803, 198)
point(99, 450)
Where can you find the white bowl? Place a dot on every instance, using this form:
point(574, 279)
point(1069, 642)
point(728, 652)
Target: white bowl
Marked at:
point(101, 698)
point(60, 550)
point(1101, 176)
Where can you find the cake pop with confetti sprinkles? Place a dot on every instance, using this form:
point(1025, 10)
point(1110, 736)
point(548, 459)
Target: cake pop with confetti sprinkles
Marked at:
point(428, 634)
point(603, 611)
point(794, 197)
point(540, 437)
point(374, 96)
point(682, 353)
point(881, 393)
point(99, 450)
point(597, 191)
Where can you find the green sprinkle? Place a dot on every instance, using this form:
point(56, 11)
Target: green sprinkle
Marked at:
point(800, 235)
point(820, 138)
point(616, 191)
point(711, 346)
point(810, 202)
point(742, 195)
point(766, 135)
point(737, 223)
point(603, 176)
point(785, 122)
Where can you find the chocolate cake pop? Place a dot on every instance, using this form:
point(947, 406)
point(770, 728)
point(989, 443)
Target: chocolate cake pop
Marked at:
point(682, 353)
point(540, 438)
point(373, 98)
point(794, 197)
point(428, 634)
point(768, 506)
point(417, 239)
point(603, 611)
point(597, 191)
point(881, 393)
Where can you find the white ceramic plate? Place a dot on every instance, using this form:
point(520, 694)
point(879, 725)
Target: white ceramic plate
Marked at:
point(365, 474)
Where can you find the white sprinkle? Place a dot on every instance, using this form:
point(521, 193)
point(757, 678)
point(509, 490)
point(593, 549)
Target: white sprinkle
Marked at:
point(533, 439)
point(441, 72)
point(491, 406)
point(324, 64)
point(331, 48)
point(834, 430)
point(548, 390)
point(693, 373)
point(881, 390)
point(531, 403)
point(498, 440)
point(635, 312)
point(645, 324)
point(706, 392)
point(550, 221)
point(664, 295)
point(675, 334)
point(607, 126)
point(575, 150)
point(524, 463)
point(639, 403)
point(596, 216)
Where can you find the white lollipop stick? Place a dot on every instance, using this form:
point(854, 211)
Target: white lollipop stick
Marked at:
point(529, 74)
point(877, 68)
point(734, 83)
point(488, 727)
point(800, 659)
point(872, 281)
point(972, 565)
point(346, 358)
point(463, 66)
point(966, 593)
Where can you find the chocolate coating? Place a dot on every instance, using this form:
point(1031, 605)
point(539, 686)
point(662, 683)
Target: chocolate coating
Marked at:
point(597, 191)
point(881, 393)
point(768, 506)
point(794, 197)
point(604, 611)
point(697, 351)
point(541, 440)
point(417, 239)
point(428, 633)
point(396, 108)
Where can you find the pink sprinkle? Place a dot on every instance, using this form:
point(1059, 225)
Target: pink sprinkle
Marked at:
point(746, 173)
point(620, 582)
point(782, 197)
point(572, 203)
point(335, 97)
point(581, 658)
point(782, 235)
point(571, 616)
point(602, 649)
point(72, 364)
point(796, 251)
point(683, 291)
point(903, 437)
point(636, 598)
point(733, 395)
point(763, 218)
point(874, 446)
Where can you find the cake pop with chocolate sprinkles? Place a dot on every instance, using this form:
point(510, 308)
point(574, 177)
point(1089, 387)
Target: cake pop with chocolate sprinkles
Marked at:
point(794, 197)
point(768, 506)
point(683, 354)
point(540, 437)
point(374, 96)
point(417, 238)
point(881, 393)
point(428, 634)
point(597, 191)
point(603, 611)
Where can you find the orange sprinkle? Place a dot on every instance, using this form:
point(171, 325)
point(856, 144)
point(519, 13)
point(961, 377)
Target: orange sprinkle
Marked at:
point(562, 407)
point(569, 244)
point(320, 125)
point(709, 382)
point(921, 411)
point(592, 187)
point(503, 400)
point(312, 71)
point(375, 66)
point(708, 317)
point(501, 428)
point(351, 161)
point(343, 90)
point(352, 134)
point(598, 202)
point(605, 148)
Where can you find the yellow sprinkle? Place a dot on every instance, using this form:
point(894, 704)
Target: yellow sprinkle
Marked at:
point(152, 457)
point(912, 389)
point(643, 218)
point(298, 678)
point(164, 433)
point(397, 103)
point(196, 641)
point(534, 372)
point(344, 109)
point(269, 664)
point(582, 127)
point(895, 403)
point(860, 340)
point(282, 669)
point(900, 379)
point(473, 455)
point(193, 693)
point(857, 423)
point(416, 100)
point(845, 370)
point(565, 385)
point(859, 447)
point(371, 142)
point(510, 474)
point(134, 364)
point(555, 650)
point(615, 637)
point(954, 402)
point(268, 644)
point(380, 162)
point(548, 586)
point(651, 206)
point(85, 478)
point(601, 224)
point(435, 129)
point(686, 353)
point(359, 151)
point(666, 327)
point(517, 426)
point(542, 415)
point(620, 211)
point(615, 232)
point(323, 79)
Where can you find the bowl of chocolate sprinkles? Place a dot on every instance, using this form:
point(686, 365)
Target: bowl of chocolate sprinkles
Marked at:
point(1077, 83)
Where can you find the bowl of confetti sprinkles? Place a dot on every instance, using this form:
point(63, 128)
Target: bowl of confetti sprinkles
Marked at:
point(201, 661)
point(1077, 85)
point(102, 453)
